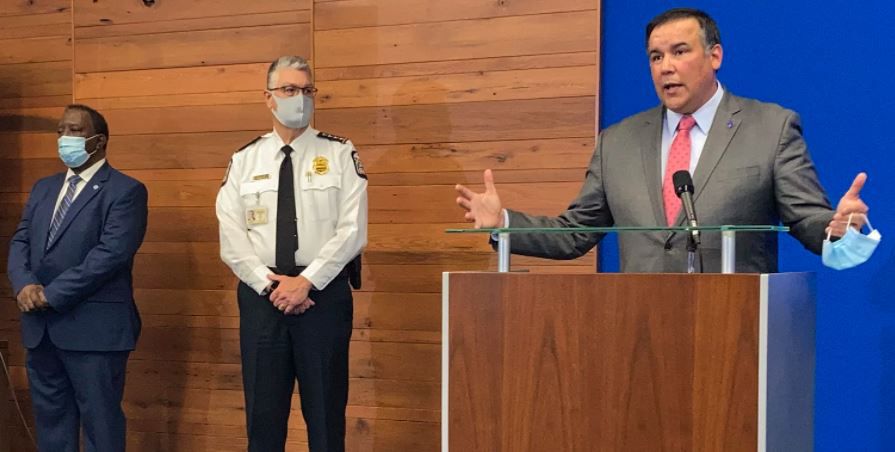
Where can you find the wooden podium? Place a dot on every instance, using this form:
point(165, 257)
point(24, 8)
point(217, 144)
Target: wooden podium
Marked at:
point(627, 362)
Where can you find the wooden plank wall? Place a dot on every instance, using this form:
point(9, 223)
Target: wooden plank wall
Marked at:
point(430, 92)
point(35, 85)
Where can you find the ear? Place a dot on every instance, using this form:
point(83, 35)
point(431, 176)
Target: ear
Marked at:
point(269, 100)
point(101, 141)
point(717, 55)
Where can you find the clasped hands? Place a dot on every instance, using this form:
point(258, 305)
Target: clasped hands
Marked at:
point(291, 294)
point(31, 298)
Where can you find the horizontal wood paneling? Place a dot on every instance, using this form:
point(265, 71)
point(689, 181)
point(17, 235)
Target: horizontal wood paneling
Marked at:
point(456, 88)
point(36, 79)
point(185, 119)
point(24, 9)
point(109, 12)
point(35, 49)
point(27, 119)
point(38, 145)
point(509, 63)
point(503, 155)
point(205, 23)
point(155, 82)
point(36, 25)
point(475, 121)
point(191, 48)
point(457, 40)
point(372, 13)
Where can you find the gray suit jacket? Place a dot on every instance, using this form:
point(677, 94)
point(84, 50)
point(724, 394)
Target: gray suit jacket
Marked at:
point(754, 169)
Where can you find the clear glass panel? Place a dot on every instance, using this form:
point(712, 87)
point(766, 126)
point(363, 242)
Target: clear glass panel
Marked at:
point(620, 229)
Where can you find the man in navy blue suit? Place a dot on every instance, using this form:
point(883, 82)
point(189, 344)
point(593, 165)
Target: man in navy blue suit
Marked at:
point(70, 264)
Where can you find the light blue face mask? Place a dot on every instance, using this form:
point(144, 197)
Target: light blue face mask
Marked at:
point(73, 150)
point(294, 112)
point(852, 249)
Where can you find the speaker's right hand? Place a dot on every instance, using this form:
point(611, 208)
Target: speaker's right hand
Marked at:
point(483, 209)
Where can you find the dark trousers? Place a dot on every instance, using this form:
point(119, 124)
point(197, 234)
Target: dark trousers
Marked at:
point(70, 390)
point(312, 347)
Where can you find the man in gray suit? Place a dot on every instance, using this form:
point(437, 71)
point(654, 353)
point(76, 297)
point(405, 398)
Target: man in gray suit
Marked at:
point(749, 162)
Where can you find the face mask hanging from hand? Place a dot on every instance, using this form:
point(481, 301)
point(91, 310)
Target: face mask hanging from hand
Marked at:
point(294, 112)
point(852, 249)
point(73, 150)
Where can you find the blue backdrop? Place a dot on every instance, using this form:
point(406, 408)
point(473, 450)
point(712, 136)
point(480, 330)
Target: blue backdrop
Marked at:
point(828, 61)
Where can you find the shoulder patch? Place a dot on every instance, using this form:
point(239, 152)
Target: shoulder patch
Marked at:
point(331, 137)
point(358, 166)
point(227, 173)
point(250, 143)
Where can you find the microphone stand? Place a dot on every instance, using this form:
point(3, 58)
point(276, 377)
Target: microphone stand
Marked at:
point(692, 248)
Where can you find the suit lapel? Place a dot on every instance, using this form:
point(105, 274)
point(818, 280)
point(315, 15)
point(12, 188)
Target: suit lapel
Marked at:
point(724, 126)
point(94, 186)
point(43, 213)
point(650, 146)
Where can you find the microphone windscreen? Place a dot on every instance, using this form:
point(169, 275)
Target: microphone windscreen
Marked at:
point(682, 182)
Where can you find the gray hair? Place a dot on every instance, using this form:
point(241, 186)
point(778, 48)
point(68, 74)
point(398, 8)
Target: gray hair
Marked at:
point(289, 61)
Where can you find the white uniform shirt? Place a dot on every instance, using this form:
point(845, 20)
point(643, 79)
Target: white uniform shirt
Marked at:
point(331, 205)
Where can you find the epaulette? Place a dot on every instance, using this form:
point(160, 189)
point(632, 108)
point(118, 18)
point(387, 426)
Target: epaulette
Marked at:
point(331, 137)
point(250, 143)
point(229, 165)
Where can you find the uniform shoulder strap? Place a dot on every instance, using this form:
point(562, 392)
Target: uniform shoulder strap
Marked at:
point(250, 143)
point(331, 137)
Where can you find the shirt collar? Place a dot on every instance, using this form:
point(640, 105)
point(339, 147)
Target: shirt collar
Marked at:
point(704, 116)
point(304, 138)
point(88, 173)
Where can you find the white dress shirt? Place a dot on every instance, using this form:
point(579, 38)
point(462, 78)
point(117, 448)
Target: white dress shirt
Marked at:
point(85, 175)
point(704, 117)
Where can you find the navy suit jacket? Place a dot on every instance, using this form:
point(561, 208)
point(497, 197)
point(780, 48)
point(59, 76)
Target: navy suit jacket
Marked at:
point(86, 270)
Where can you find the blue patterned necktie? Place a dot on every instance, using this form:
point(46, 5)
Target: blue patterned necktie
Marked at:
point(63, 207)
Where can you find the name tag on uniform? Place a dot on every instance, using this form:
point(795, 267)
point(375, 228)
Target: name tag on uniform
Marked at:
point(256, 215)
point(261, 177)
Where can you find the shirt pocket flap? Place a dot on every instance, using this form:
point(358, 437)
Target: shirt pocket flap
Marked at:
point(258, 187)
point(322, 182)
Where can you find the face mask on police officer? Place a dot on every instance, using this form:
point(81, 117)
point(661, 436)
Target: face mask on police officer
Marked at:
point(852, 249)
point(73, 150)
point(294, 112)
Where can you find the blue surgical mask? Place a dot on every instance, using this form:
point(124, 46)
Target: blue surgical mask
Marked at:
point(73, 150)
point(294, 112)
point(852, 249)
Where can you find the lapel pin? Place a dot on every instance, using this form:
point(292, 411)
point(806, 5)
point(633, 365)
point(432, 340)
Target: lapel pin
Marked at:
point(730, 123)
point(96, 187)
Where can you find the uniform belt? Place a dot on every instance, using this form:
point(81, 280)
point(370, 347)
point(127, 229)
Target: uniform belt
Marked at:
point(297, 271)
point(293, 272)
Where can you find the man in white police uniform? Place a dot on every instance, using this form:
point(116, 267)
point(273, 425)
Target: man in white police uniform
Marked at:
point(293, 220)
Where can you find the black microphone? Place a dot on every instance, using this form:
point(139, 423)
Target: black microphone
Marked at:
point(683, 187)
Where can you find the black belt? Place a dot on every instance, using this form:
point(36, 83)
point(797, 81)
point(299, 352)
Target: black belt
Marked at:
point(293, 272)
point(297, 271)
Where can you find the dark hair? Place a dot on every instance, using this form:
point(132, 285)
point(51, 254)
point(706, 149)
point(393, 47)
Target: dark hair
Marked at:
point(710, 33)
point(96, 119)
